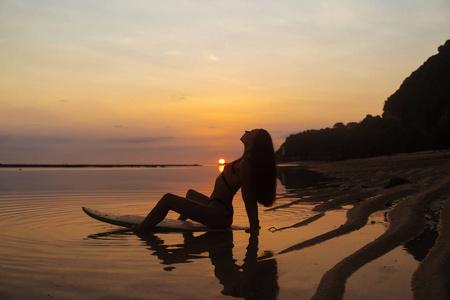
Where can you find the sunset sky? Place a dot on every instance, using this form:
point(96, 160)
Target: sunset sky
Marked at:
point(180, 81)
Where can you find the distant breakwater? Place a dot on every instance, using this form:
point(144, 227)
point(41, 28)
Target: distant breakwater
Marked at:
point(95, 165)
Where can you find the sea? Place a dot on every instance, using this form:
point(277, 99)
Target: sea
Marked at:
point(50, 249)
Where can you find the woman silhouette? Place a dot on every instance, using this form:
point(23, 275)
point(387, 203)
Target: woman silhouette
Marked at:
point(254, 173)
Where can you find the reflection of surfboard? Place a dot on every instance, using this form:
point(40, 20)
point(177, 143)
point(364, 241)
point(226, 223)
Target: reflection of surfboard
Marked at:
point(130, 221)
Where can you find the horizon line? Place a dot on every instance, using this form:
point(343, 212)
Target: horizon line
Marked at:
point(96, 165)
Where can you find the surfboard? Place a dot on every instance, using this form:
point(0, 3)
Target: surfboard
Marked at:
point(166, 225)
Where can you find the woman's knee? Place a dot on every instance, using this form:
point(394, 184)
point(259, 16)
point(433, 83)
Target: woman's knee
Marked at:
point(166, 199)
point(191, 193)
point(168, 196)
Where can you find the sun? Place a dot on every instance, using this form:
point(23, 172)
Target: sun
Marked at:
point(221, 161)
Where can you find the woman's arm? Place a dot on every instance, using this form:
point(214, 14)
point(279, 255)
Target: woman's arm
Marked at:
point(251, 205)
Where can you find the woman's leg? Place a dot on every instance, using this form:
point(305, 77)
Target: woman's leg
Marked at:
point(207, 215)
point(195, 196)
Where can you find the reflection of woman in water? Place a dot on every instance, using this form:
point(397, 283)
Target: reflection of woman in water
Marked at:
point(254, 172)
point(256, 278)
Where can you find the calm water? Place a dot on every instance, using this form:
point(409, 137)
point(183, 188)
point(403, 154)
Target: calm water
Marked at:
point(51, 249)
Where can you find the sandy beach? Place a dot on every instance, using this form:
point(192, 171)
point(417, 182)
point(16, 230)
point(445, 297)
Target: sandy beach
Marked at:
point(414, 187)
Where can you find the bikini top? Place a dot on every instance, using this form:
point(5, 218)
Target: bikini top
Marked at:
point(232, 185)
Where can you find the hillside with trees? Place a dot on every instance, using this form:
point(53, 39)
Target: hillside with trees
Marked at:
point(415, 118)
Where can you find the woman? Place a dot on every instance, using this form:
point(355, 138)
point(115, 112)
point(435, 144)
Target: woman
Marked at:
point(254, 173)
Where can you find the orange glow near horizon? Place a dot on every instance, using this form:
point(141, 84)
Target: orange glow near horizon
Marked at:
point(135, 97)
point(221, 161)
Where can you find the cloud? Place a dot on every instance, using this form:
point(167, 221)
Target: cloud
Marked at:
point(174, 53)
point(212, 57)
point(69, 149)
point(137, 140)
point(123, 127)
point(178, 97)
point(50, 140)
point(23, 139)
point(4, 138)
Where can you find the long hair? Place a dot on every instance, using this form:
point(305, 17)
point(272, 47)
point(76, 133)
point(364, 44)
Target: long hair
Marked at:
point(263, 168)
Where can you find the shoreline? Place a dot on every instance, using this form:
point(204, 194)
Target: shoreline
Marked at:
point(405, 184)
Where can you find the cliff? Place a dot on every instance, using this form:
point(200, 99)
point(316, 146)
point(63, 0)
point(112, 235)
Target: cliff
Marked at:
point(415, 118)
point(423, 100)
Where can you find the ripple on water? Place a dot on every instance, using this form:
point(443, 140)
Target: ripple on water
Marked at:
point(51, 219)
point(47, 237)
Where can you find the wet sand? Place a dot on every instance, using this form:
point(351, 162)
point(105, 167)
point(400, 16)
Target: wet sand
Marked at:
point(413, 187)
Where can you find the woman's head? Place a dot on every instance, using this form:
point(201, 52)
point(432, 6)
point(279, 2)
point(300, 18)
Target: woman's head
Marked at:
point(261, 154)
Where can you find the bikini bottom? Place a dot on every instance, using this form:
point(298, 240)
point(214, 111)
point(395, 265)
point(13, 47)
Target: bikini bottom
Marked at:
point(219, 203)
